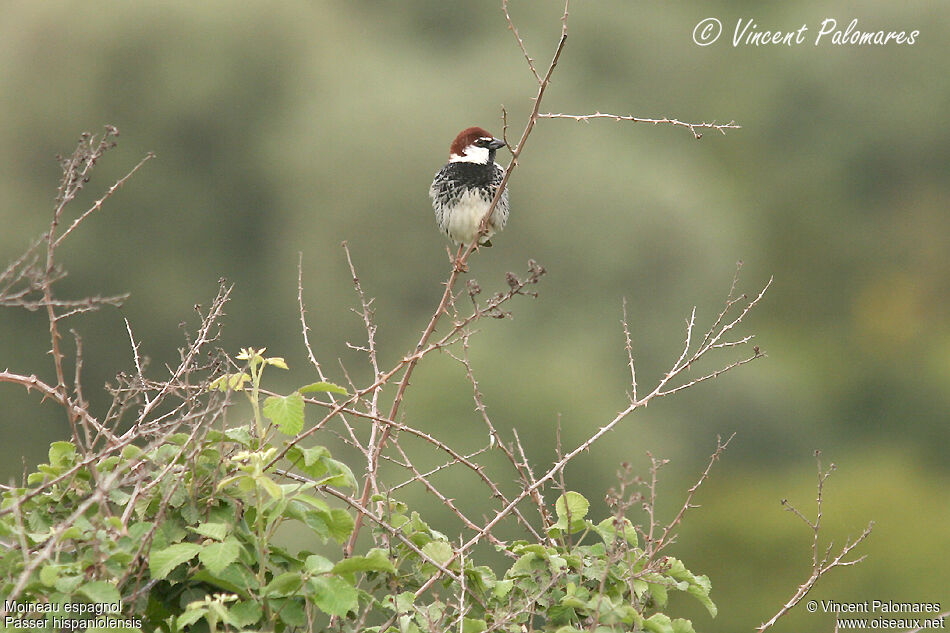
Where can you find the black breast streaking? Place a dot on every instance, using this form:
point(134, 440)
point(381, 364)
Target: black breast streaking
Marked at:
point(472, 175)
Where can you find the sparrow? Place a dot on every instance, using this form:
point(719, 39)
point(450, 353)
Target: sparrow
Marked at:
point(463, 189)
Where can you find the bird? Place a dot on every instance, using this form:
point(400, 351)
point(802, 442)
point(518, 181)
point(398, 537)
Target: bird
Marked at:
point(463, 189)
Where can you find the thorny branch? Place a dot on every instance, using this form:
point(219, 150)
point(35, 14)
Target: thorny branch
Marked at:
point(655, 547)
point(692, 127)
point(156, 408)
point(459, 265)
point(822, 562)
point(29, 282)
point(531, 486)
point(689, 355)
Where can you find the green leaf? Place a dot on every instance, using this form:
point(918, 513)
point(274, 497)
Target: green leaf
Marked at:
point(217, 556)
point(130, 452)
point(404, 601)
point(189, 617)
point(217, 531)
point(162, 562)
point(317, 564)
point(291, 612)
point(246, 613)
point(334, 595)
point(659, 594)
point(314, 502)
point(439, 551)
point(286, 584)
point(286, 412)
point(340, 524)
point(309, 456)
point(232, 382)
point(682, 626)
point(323, 386)
point(276, 361)
point(480, 578)
point(470, 625)
point(526, 565)
point(342, 475)
point(227, 481)
point(502, 588)
point(240, 434)
point(658, 623)
point(68, 584)
point(61, 454)
point(49, 574)
point(608, 531)
point(571, 505)
point(234, 579)
point(376, 560)
point(309, 460)
point(249, 353)
point(107, 465)
point(317, 521)
point(703, 596)
point(101, 592)
point(265, 482)
point(638, 585)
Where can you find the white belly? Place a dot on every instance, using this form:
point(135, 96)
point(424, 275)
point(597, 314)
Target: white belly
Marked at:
point(465, 218)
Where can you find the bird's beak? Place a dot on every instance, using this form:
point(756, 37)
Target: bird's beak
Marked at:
point(496, 144)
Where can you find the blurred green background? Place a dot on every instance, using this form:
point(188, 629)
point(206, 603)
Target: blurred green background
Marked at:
point(288, 127)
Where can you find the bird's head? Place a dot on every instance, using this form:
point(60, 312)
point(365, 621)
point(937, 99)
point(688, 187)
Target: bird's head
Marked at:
point(474, 145)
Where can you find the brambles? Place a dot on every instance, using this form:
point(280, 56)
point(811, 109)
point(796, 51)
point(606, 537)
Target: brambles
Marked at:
point(172, 500)
point(183, 530)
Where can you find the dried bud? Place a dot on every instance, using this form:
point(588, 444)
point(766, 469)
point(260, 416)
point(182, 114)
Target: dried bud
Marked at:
point(536, 270)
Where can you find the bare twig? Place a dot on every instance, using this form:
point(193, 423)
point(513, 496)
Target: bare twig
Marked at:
point(692, 127)
point(514, 31)
point(458, 267)
point(682, 363)
point(628, 346)
point(48, 391)
point(303, 320)
point(821, 563)
point(667, 537)
point(76, 171)
point(98, 203)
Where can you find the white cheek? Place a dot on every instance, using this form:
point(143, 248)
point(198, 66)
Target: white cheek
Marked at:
point(472, 154)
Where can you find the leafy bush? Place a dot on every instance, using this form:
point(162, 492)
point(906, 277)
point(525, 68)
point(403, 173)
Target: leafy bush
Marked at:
point(182, 532)
point(162, 513)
